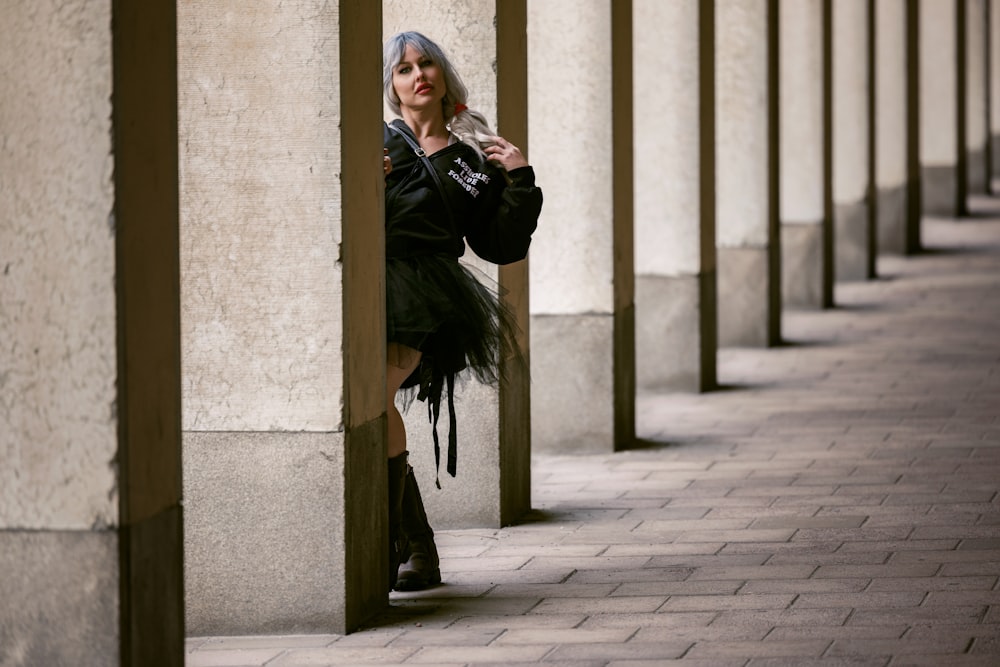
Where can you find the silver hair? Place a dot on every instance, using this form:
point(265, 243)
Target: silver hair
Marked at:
point(469, 126)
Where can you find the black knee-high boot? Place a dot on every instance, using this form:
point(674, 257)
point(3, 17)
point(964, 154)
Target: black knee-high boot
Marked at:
point(421, 567)
point(397, 480)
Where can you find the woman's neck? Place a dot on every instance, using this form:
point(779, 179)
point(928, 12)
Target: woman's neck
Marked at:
point(425, 123)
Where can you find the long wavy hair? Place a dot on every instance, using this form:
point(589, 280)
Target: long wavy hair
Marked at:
point(469, 125)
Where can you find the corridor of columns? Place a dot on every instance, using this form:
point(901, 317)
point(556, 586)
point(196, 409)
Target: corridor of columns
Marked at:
point(762, 424)
point(837, 504)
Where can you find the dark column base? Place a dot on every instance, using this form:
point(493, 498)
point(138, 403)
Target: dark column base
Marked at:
point(852, 242)
point(891, 223)
point(572, 383)
point(939, 189)
point(743, 297)
point(802, 265)
point(668, 335)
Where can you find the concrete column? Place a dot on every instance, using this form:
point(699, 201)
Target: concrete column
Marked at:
point(674, 202)
point(582, 326)
point(854, 239)
point(284, 352)
point(487, 44)
point(90, 518)
point(891, 126)
point(746, 89)
point(914, 170)
point(993, 82)
point(806, 256)
point(977, 112)
point(939, 107)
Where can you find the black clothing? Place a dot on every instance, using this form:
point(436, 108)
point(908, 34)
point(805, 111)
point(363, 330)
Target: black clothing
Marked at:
point(434, 303)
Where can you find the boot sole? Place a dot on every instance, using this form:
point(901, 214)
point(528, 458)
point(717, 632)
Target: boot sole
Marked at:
point(409, 584)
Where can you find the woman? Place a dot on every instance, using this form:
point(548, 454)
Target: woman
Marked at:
point(449, 180)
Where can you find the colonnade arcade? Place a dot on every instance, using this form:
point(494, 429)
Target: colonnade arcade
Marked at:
point(192, 419)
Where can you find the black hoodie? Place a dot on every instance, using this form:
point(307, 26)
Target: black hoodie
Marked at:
point(496, 212)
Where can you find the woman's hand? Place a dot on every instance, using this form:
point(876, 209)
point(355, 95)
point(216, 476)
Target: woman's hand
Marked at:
point(506, 154)
point(386, 162)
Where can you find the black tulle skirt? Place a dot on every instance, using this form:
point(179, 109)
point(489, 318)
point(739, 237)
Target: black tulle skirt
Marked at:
point(437, 305)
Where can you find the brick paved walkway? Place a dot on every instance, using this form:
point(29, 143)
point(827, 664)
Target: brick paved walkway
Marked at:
point(836, 504)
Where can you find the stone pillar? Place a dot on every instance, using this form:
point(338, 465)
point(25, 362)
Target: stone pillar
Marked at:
point(90, 517)
point(746, 89)
point(283, 336)
point(582, 326)
point(487, 44)
point(939, 107)
point(993, 82)
point(854, 238)
point(806, 256)
point(891, 126)
point(914, 170)
point(674, 195)
point(977, 110)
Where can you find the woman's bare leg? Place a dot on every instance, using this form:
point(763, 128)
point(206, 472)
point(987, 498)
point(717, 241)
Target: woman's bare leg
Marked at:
point(401, 360)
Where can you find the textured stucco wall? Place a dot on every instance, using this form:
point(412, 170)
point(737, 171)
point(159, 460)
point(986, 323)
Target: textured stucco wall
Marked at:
point(58, 422)
point(890, 98)
point(569, 113)
point(741, 90)
point(667, 151)
point(851, 131)
point(260, 163)
point(801, 135)
point(938, 72)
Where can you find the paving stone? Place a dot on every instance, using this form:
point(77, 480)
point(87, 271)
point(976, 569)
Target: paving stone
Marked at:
point(817, 631)
point(970, 569)
point(963, 615)
point(450, 636)
point(643, 574)
point(673, 549)
point(840, 661)
point(862, 647)
point(567, 589)
point(463, 655)
point(683, 662)
point(667, 588)
point(631, 651)
point(858, 600)
point(891, 570)
point(952, 598)
point(611, 605)
point(748, 535)
point(603, 636)
point(771, 618)
point(724, 602)
point(231, 657)
point(939, 583)
point(750, 573)
point(266, 642)
point(673, 622)
point(806, 586)
point(764, 649)
point(952, 661)
point(900, 545)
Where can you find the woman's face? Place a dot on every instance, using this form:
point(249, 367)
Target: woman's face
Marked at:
point(418, 81)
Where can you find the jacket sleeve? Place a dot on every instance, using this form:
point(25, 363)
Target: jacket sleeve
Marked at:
point(502, 232)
